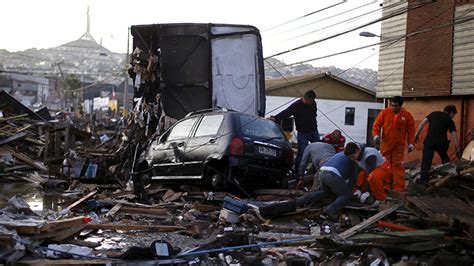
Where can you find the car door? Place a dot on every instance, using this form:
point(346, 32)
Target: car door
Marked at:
point(168, 155)
point(203, 142)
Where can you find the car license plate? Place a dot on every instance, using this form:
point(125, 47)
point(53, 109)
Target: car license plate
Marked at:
point(266, 151)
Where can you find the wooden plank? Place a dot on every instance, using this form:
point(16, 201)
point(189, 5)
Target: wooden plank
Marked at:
point(154, 211)
point(18, 136)
point(66, 210)
point(359, 227)
point(467, 171)
point(136, 227)
point(206, 207)
point(280, 192)
point(57, 143)
point(64, 223)
point(441, 182)
point(47, 136)
point(60, 234)
point(400, 235)
point(83, 243)
point(111, 213)
point(81, 200)
point(63, 262)
point(26, 159)
point(424, 207)
point(25, 229)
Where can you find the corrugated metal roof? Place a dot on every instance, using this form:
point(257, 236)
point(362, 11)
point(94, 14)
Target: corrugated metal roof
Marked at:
point(463, 53)
point(392, 57)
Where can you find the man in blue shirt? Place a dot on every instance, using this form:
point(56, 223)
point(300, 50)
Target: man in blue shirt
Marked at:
point(337, 176)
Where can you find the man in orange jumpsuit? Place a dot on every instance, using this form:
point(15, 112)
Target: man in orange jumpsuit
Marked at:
point(375, 176)
point(398, 128)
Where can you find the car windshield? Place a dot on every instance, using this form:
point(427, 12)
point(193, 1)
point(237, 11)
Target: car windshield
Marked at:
point(256, 127)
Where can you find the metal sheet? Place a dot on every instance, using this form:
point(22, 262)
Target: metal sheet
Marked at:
point(463, 52)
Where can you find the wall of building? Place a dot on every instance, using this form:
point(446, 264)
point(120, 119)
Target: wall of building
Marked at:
point(325, 88)
point(420, 107)
point(428, 55)
point(392, 50)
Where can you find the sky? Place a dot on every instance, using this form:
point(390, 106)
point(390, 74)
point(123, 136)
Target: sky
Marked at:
point(49, 23)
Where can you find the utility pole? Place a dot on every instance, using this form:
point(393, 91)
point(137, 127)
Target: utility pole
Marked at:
point(125, 84)
point(62, 91)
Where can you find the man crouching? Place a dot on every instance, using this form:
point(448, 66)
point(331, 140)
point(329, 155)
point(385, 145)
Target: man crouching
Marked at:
point(337, 176)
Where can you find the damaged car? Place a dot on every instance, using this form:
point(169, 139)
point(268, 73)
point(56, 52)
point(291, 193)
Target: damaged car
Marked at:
point(220, 148)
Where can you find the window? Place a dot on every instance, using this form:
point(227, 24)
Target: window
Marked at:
point(182, 129)
point(350, 116)
point(209, 125)
point(257, 127)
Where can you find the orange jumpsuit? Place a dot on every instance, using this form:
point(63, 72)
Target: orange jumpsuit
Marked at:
point(396, 129)
point(379, 180)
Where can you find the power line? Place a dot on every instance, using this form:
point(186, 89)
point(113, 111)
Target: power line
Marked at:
point(398, 38)
point(326, 18)
point(335, 24)
point(306, 15)
point(345, 32)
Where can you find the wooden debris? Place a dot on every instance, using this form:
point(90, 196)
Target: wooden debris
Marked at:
point(65, 262)
point(280, 192)
point(16, 137)
point(64, 223)
point(444, 210)
point(170, 196)
point(357, 228)
point(111, 213)
point(143, 211)
point(400, 236)
point(206, 207)
point(79, 242)
point(136, 227)
point(60, 235)
point(278, 236)
point(441, 182)
point(79, 201)
point(38, 165)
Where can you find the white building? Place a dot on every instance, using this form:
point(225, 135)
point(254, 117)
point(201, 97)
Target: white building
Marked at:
point(353, 118)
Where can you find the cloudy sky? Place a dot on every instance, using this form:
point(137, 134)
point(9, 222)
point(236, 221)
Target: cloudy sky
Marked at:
point(284, 24)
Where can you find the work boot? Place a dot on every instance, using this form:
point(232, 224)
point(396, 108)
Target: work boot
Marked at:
point(333, 217)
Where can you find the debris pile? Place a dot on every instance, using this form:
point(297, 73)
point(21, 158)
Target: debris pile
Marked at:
point(106, 222)
point(191, 226)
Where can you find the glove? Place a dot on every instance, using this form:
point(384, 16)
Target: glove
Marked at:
point(411, 147)
point(376, 140)
point(357, 194)
point(364, 197)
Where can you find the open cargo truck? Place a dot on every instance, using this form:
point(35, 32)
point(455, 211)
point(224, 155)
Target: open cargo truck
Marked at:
point(201, 66)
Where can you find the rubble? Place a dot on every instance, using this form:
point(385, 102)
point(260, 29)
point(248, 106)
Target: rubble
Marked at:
point(99, 219)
